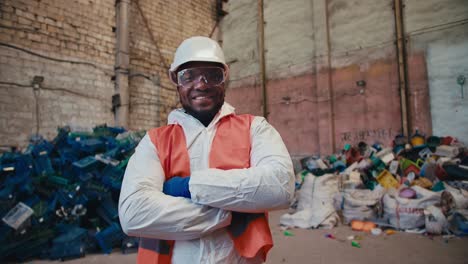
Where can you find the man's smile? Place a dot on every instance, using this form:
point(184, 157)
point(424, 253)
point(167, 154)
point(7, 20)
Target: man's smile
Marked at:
point(202, 97)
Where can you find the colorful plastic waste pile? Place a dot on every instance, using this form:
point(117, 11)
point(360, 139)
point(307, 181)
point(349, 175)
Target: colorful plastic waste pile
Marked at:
point(417, 182)
point(58, 199)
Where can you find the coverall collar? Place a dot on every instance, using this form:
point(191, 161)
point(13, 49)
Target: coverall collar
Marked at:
point(179, 116)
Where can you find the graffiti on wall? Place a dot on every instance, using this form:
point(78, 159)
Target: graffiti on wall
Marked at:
point(383, 134)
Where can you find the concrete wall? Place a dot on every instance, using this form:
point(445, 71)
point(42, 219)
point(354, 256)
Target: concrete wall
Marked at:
point(437, 31)
point(299, 82)
point(72, 45)
point(313, 98)
point(361, 49)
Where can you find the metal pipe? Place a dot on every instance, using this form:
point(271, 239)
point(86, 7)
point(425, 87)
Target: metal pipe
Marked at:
point(402, 67)
point(330, 81)
point(261, 52)
point(122, 63)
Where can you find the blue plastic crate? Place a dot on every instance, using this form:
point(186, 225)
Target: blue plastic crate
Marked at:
point(95, 190)
point(91, 145)
point(7, 192)
point(110, 157)
point(110, 237)
point(67, 156)
point(34, 248)
point(32, 200)
point(86, 177)
point(26, 187)
point(107, 210)
point(69, 245)
point(43, 165)
point(60, 141)
point(109, 142)
point(73, 140)
point(42, 148)
point(117, 130)
point(5, 233)
point(112, 177)
point(24, 165)
point(104, 130)
point(85, 165)
point(28, 244)
point(41, 213)
point(52, 203)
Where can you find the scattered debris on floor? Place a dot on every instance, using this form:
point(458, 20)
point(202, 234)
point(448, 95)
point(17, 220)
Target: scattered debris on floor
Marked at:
point(355, 244)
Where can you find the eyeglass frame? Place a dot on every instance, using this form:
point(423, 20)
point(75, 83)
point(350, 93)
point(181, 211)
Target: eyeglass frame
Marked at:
point(174, 76)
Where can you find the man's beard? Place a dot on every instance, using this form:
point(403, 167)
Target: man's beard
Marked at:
point(205, 117)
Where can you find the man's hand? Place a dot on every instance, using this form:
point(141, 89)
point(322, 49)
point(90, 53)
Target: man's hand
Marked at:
point(178, 187)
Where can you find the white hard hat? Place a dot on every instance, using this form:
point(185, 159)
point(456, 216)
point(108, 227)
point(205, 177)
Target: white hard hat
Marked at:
point(198, 49)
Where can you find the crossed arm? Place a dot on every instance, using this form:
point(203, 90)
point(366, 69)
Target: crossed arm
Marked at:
point(145, 211)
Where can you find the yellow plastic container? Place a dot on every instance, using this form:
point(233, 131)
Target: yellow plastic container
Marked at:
point(387, 180)
point(417, 139)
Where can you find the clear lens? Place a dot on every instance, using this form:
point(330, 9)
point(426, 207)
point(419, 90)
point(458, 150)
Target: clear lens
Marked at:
point(209, 75)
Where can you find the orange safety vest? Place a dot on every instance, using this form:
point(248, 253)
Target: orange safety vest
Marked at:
point(230, 149)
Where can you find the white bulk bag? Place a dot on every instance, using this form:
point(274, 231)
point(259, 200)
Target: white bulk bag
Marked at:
point(315, 205)
point(403, 213)
point(453, 198)
point(435, 221)
point(360, 204)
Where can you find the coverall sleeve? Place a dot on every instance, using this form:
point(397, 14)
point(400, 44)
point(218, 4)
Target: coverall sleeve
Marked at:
point(145, 211)
point(267, 185)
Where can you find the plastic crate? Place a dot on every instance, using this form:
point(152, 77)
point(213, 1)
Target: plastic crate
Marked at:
point(69, 245)
point(107, 210)
point(95, 190)
point(109, 237)
point(90, 145)
point(112, 177)
point(18, 216)
point(85, 165)
point(43, 165)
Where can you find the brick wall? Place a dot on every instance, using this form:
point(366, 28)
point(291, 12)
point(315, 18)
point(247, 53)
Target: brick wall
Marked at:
point(71, 44)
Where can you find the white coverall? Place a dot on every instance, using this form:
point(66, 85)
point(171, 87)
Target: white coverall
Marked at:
point(198, 225)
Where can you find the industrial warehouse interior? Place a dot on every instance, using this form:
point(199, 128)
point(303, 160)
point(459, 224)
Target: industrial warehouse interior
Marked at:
point(348, 142)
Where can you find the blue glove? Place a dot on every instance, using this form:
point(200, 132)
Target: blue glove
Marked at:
point(178, 187)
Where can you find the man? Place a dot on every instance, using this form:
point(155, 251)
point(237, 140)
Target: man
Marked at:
point(196, 191)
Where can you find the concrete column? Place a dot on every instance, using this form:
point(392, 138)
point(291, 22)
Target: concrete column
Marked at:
point(121, 105)
point(323, 67)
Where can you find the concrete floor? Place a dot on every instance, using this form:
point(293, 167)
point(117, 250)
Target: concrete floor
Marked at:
point(311, 246)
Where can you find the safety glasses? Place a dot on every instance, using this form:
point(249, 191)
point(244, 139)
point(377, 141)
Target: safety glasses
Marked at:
point(209, 75)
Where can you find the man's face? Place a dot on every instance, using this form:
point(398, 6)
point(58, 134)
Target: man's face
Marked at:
point(200, 98)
